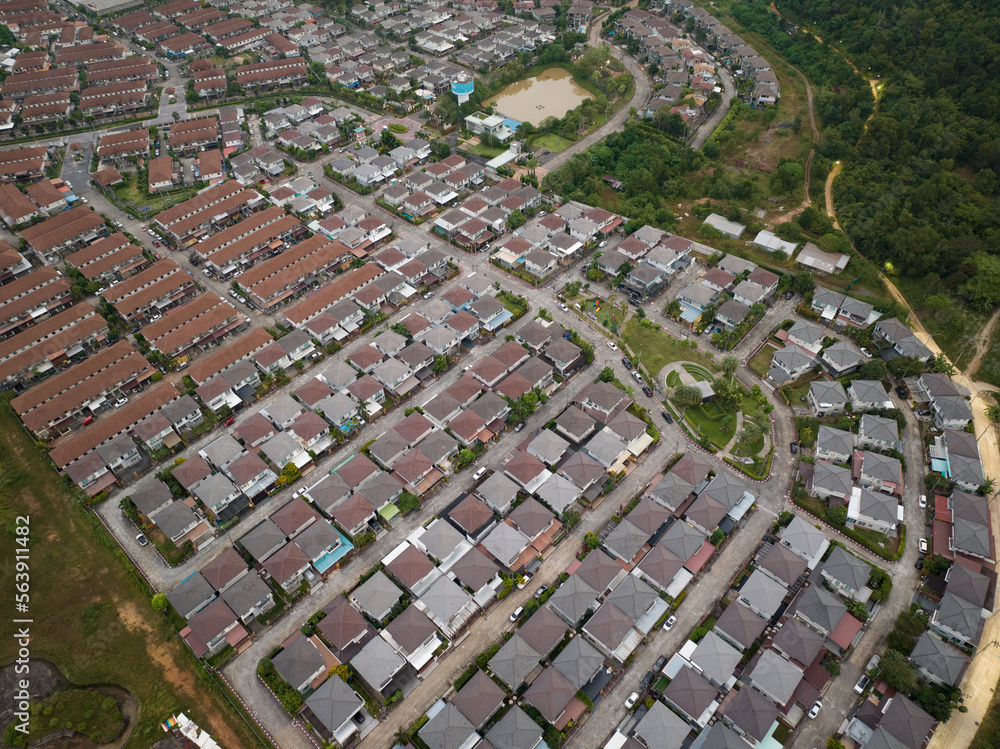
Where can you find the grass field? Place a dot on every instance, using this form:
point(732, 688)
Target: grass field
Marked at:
point(659, 349)
point(91, 610)
point(610, 315)
point(761, 361)
point(988, 735)
point(155, 203)
point(480, 150)
point(709, 420)
point(551, 142)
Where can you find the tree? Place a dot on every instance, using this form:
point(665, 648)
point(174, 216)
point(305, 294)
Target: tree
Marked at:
point(833, 667)
point(607, 374)
point(993, 412)
point(803, 283)
point(159, 602)
point(837, 515)
point(718, 536)
point(440, 364)
point(516, 220)
point(729, 365)
point(935, 564)
point(686, 396)
point(873, 370)
point(674, 308)
point(895, 671)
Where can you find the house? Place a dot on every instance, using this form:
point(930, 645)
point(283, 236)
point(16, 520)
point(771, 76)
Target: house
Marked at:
point(847, 574)
point(750, 715)
point(192, 595)
point(449, 728)
point(376, 597)
point(333, 710)
point(937, 661)
point(878, 472)
point(287, 566)
point(377, 664)
point(731, 313)
point(788, 364)
point(827, 398)
point(414, 636)
point(762, 594)
point(222, 498)
point(873, 509)
point(716, 660)
point(834, 445)
point(805, 540)
point(265, 539)
point(840, 359)
point(299, 663)
point(868, 395)
point(878, 433)
point(249, 597)
point(902, 340)
point(971, 534)
point(208, 631)
point(775, 677)
point(831, 480)
point(959, 620)
point(739, 626)
point(808, 336)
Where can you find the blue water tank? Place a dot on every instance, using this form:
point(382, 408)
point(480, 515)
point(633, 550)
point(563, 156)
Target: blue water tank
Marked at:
point(462, 86)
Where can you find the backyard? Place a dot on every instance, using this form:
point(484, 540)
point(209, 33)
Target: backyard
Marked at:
point(760, 363)
point(551, 142)
point(130, 196)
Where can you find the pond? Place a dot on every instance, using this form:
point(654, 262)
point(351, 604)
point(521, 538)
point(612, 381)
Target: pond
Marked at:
point(551, 93)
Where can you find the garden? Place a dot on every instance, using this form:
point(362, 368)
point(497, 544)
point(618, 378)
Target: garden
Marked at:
point(656, 348)
point(609, 313)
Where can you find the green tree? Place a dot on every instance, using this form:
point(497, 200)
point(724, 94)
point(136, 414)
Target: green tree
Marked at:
point(440, 364)
point(993, 412)
point(686, 396)
point(516, 220)
point(607, 374)
point(159, 602)
point(837, 515)
point(729, 365)
point(895, 671)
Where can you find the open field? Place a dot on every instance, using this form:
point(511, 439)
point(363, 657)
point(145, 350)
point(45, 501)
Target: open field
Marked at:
point(658, 348)
point(91, 609)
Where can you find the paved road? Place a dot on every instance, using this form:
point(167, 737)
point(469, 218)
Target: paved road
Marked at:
point(706, 128)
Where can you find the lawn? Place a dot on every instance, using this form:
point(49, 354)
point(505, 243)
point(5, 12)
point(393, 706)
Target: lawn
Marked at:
point(610, 314)
point(480, 150)
point(709, 420)
point(131, 196)
point(658, 348)
point(551, 142)
point(761, 361)
point(91, 609)
point(988, 735)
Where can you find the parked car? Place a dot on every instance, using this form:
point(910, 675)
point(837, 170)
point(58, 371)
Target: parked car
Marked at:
point(612, 345)
point(525, 579)
point(627, 363)
point(479, 474)
point(902, 392)
point(647, 680)
point(563, 307)
point(648, 391)
point(229, 422)
point(541, 591)
point(873, 662)
point(121, 401)
point(632, 699)
point(794, 447)
point(519, 427)
point(637, 377)
point(660, 663)
point(142, 540)
point(428, 295)
point(922, 502)
point(862, 684)
point(667, 417)
point(603, 244)
point(669, 623)
point(866, 352)
point(814, 710)
point(922, 545)
point(789, 294)
point(207, 272)
point(517, 613)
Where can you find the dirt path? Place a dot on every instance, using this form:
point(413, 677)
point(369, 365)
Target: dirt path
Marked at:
point(809, 160)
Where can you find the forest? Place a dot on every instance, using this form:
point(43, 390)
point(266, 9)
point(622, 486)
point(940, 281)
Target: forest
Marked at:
point(919, 189)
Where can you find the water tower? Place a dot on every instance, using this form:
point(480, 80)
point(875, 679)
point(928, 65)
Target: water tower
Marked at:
point(462, 86)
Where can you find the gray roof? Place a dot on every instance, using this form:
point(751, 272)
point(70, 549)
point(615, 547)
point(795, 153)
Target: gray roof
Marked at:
point(847, 569)
point(437, 445)
point(716, 658)
point(382, 487)
point(531, 517)
point(212, 490)
point(682, 539)
point(626, 540)
point(939, 658)
point(389, 447)
point(550, 693)
point(223, 450)
point(827, 392)
point(783, 564)
point(719, 736)
point(174, 518)
point(633, 596)
point(328, 492)
point(548, 446)
point(514, 661)
point(882, 739)
point(441, 539)
point(578, 661)
point(803, 537)
point(572, 599)
point(878, 505)
point(834, 440)
point(661, 727)
point(831, 478)
point(960, 615)
point(868, 391)
point(377, 662)
point(191, 594)
point(842, 355)
point(648, 516)
point(377, 595)
point(280, 447)
point(787, 363)
point(627, 426)
point(515, 730)
point(444, 599)
point(339, 374)
point(807, 331)
point(775, 676)
point(333, 703)
point(740, 624)
point(246, 593)
point(907, 721)
point(798, 642)
point(410, 629)
point(542, 630)
point(498, 490)
point(727, 489)
point(316, 539)
point(558, 492)
point(671, 490)
point(282, 409)
point(475, 569)
point(575, 422)
point(582, 469)
point(690, 692)
point(970, 515)
point(605, 447)
point(820, 607)
point(505, 543)
point(763, 592)
point(968, 584)
point(879, 429)
point(263, 540)
point(752, 713)
point(298, 661)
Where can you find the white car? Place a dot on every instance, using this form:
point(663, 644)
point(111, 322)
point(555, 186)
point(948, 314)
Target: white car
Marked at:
point(669, 623)
point(517, 613)
point(922, 545)
point(563, 307)
point(632, 699)
point(612, 345)
point(922, 502)
point(479, 474)
point(814, 710)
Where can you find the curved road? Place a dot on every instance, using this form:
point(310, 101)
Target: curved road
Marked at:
point(706, 128)
point(640, 95)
